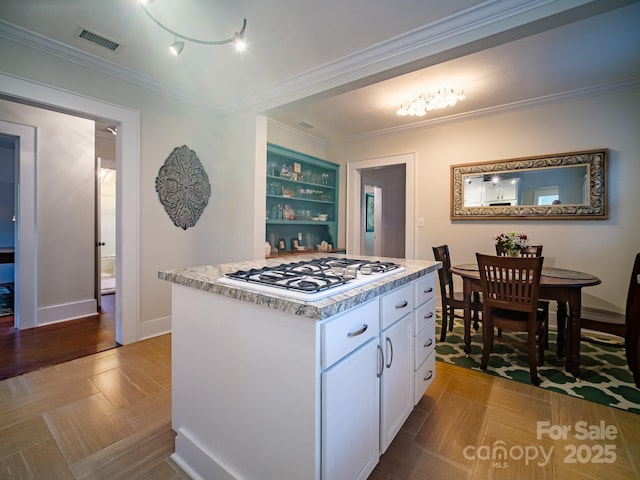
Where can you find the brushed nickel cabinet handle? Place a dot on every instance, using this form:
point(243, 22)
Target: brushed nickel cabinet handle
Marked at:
point(388, 365)
point(429, 376)
point(358, 332)
point(429, 343)
point(429, 290)
point(381, 362)
point(403, 304)
point(428, 315)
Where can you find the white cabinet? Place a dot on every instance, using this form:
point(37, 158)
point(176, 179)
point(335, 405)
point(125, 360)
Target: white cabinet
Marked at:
point(350, 402)
point(396, 304)
point(350, 415)
point(318, 399)
point(396, 381)
point(424, 317)
point(498, 192)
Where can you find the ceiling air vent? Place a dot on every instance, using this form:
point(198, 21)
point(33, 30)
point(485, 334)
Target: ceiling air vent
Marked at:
point(305, 124)
point(98, 40)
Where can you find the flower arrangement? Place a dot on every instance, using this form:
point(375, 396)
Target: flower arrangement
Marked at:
point(512, 241)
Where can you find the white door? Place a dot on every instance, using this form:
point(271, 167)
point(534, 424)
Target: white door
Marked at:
point(396, 390)
point(351, 415)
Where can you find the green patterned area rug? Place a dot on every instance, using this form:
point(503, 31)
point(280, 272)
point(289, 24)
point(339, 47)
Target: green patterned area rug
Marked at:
point(606, 378)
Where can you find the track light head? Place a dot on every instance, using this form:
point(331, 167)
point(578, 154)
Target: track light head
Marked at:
point(239, 43)
point(176, 48)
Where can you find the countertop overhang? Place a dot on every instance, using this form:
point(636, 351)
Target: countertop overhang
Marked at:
point(206, 278)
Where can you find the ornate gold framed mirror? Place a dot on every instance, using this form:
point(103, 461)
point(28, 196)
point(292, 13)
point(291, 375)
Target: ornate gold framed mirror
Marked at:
point(562, 186)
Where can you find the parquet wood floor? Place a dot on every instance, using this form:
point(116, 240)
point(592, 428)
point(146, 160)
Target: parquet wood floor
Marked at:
point(108, 416)
point(24, 351)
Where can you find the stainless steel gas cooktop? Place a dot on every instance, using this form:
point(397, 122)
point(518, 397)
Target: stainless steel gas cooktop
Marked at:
point(312, 279)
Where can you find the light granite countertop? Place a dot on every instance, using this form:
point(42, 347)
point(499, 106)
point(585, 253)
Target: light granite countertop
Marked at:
point(206, 278)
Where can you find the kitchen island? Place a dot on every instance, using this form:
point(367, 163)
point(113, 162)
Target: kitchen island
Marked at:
point(265, 386)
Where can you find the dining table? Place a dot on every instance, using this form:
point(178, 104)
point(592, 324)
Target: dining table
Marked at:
point(559, 284)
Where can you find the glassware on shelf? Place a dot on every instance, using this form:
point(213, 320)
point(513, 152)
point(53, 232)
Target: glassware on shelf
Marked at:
point(275, 188)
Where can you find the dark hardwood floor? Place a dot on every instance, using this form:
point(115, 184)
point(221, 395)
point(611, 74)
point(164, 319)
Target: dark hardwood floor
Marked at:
point(23, 351)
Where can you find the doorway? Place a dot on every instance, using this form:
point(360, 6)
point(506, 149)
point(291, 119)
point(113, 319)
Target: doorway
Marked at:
point(397, 209)
point(127, 217)
point(7, 223)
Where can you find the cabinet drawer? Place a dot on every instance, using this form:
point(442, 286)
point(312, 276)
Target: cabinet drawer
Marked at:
point(346, 332)
point(425, 343)
point(424, 376)
point(424, 314)
point(425, 288)
point(395, 305)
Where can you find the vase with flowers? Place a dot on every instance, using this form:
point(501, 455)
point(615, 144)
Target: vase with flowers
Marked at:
point(512, 242)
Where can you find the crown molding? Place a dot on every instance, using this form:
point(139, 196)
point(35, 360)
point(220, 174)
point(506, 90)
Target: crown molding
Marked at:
point(85, 59)
point(299, 133)
point(563, 97)
point(464, 26)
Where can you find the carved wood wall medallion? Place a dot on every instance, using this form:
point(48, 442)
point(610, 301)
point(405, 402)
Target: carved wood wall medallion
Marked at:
point(183, 187)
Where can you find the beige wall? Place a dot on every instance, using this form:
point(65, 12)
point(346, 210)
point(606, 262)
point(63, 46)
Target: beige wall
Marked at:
point(605, 248)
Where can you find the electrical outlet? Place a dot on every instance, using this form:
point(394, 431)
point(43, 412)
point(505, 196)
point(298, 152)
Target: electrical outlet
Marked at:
point(421, 221)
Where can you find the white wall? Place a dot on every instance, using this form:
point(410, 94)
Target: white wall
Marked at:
point(605, 248)
point(65, 215)
point(165, 123)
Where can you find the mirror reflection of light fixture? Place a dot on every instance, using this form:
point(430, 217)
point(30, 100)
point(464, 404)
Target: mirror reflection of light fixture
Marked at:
point(442, 98)
point(177, 46)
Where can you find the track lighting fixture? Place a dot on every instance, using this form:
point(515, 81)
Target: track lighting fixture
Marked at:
point(178, 45)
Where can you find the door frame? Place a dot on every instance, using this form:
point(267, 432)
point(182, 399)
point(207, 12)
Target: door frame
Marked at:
point(127, 189)
point(354, 199)
point(25, 244)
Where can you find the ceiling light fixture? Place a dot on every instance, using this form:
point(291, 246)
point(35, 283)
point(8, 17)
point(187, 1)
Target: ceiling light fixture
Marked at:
point(177, 46)
point(442, 98)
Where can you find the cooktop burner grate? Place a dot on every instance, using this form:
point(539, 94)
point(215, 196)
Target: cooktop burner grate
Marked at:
point(310, 276)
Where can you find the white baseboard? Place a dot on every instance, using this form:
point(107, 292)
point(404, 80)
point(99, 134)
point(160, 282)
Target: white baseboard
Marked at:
point(155, 327)
point(198, 463)
point(65, 312)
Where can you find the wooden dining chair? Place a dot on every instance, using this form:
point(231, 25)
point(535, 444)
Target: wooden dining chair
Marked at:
point(543, 305)
point(625, 325)
point(510, 288)
point(452, 300)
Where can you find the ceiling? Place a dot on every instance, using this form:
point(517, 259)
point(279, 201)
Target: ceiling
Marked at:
point(324, 64)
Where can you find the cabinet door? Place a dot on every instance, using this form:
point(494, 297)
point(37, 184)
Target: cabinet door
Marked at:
point(350, 415)
point(397, 379)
